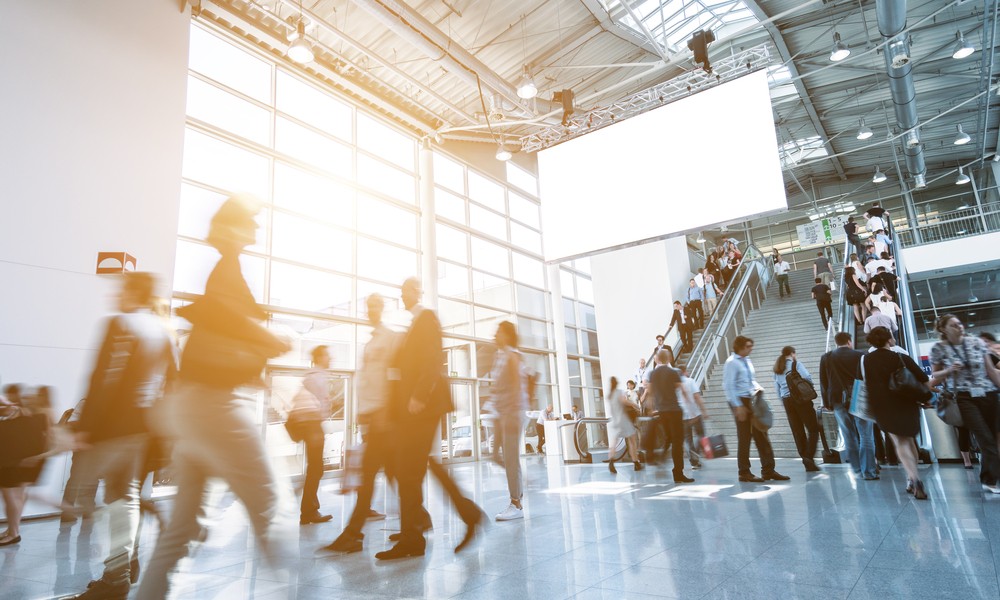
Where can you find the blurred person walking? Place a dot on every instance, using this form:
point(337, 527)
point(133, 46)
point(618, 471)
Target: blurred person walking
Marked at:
point(373, 416)
point(781, 269)
point(420, 396)
point(510, 400)
point(962, 362)
point(666, 386)
point(694, 416)
point(800, 412)
point(27, 426)
point(214, 432)
point(622, 413)
point(134, 363)
point(310, 406)
point(895, 414)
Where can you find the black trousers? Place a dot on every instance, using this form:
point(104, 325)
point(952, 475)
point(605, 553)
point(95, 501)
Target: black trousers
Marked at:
point(312, 437)
point(982, 418)
point(825, 308)
point(805, 428)
point(687, 340)
point(745, 431)
point(698, 313)
point(672, 424)
point(414, 440)
point(885, 449)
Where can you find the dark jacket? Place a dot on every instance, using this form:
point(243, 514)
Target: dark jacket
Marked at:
point(676, 319)
point(837, 371)
point(664, 381)
point(419, 363)
point(135, 359)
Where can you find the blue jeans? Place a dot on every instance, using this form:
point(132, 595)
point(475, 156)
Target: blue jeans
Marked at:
point(859, 440)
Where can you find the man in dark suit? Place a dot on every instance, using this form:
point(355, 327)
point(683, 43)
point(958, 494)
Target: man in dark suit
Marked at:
point(420, 396)
point(684, 326)
point(837, 371)
point(665, 383)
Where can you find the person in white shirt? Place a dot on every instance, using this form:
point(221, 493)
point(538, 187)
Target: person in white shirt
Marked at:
point(781, 269)
point(546, 415)
point(694, 413)
point(640, 375)
point(699, 279)
point(310, 406)
point(878, 319)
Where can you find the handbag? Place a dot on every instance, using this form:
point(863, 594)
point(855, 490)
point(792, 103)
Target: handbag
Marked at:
point(830, 456)
point(946, 406)
point(906, 385)
point(859, 406)
point(714, 446)
point(763, 417)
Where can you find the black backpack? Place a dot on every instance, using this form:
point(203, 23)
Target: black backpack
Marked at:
point(798, 388)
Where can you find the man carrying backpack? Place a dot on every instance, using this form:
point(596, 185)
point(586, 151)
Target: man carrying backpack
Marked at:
point(795, 388)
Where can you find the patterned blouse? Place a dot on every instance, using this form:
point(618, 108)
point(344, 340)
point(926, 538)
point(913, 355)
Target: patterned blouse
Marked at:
point(972, 355)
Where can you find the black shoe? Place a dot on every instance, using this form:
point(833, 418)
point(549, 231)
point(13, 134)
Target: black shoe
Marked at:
point(750, 478)
point(400, 551)
point(472, 523)
point(102, 590)
point(774, 476)
point(316, 518)
point(346, 542)
point(681, 478)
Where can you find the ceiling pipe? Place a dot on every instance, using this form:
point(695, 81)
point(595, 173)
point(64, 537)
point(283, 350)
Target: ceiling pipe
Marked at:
point(410, 25)
point(891, 15)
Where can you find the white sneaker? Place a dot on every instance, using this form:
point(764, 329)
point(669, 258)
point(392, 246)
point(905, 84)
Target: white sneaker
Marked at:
point(993, 489)
point(510, 513)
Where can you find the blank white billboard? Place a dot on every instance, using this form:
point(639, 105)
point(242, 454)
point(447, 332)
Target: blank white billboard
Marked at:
point(707, 159)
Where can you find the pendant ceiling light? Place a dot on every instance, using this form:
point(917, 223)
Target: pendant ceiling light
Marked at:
point(299, 49)
point(962, 48)
point(526, 87)
point(879, 176)
point(864, 132)
point(962, 177)
point(840, 49)
point(962, 138)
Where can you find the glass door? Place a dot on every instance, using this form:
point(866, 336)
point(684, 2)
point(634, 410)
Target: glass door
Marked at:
point(462, 431)
point(288, 456)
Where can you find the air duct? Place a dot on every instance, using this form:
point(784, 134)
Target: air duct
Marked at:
point(891, 15)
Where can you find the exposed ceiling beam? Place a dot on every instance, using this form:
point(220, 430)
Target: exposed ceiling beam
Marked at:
point(786, 57)
point(612, 27)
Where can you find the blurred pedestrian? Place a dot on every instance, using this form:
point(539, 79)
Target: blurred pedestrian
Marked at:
point(310, 407)
point(510, 398)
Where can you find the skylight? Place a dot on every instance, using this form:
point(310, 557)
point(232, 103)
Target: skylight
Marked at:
point(671, 22)
point(794, 152)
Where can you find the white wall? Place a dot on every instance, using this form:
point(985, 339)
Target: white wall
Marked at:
point(92, 115)
point(634, 291)
point(951, 253)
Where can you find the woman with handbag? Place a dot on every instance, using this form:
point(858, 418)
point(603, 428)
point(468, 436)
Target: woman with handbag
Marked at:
point(214, 431)
point(962, 363)
point(623, 415)
point(895, 411)
point(854, 293)
point(800, 412)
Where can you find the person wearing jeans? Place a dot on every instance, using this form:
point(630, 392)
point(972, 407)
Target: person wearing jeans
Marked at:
point(837, 370)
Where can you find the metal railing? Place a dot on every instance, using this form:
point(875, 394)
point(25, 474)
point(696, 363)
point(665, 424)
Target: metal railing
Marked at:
point(730, 316)
point(845, 314)
point(951, 225)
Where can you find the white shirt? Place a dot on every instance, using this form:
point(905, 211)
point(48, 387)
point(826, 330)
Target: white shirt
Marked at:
point(688, 404)
point(782, 268)
point(699, 280)
point(373, 393)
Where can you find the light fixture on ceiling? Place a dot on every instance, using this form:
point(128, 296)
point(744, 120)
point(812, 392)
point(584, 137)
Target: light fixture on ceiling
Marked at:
point(962, 138)
point(919, 181)
point(879, 176)
point(864, 132)
point(962, 48)
point(899, 51)
point(700, 240)
point(840, 49)
point(526, 87)
point(503, 154)
point(962, 177)
point(299, 49)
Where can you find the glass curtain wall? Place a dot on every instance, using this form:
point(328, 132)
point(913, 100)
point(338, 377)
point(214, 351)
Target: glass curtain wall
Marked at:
point(342, 220)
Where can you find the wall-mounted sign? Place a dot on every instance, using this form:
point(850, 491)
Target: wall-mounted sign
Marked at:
point(822, 231)
point(114, 262)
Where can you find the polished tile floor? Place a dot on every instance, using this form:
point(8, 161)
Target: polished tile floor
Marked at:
point(592, 535)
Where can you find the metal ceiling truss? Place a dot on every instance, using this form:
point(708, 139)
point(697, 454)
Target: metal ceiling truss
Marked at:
point(723, 69)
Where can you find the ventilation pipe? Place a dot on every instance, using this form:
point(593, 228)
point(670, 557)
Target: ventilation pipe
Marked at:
point(891, 15)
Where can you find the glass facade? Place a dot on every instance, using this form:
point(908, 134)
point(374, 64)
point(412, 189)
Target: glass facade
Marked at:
point(342, 220)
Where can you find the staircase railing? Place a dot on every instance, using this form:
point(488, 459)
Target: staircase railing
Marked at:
point(845, 314)
point(730, 316)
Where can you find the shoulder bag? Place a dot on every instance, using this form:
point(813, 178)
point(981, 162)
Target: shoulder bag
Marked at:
point(763, 417)
point(903, 383)
point(859, 397)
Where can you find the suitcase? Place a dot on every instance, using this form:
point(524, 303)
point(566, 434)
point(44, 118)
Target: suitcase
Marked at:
point(714, 446)
point(830, 457)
